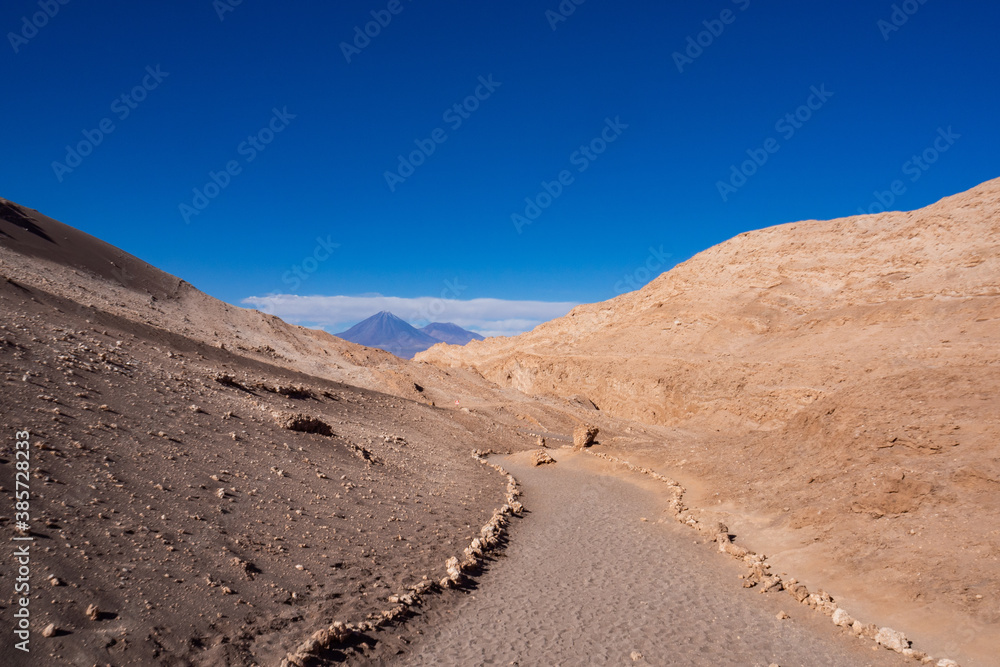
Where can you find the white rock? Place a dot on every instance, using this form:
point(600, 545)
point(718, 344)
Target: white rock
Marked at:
point(842, 618)
point(892, 639)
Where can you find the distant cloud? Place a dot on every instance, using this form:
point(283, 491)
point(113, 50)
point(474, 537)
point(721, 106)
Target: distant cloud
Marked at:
point(489, 317)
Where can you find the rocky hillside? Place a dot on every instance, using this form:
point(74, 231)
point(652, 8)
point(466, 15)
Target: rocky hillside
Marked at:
point(211, 485)
point(840, 376)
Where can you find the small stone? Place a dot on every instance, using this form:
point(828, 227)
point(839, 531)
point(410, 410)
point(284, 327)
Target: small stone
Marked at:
point(50, 630)
point(782, 616)
point(636, 656)
point(300, 567)
point(93, 613)
point(892, 639)
point(842, 618)
point(540, 457)
point(221, 493)
point(945, 662)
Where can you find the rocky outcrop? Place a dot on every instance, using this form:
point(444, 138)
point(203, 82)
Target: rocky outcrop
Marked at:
point(541, 457)
point(584, 436)
point(302, 423)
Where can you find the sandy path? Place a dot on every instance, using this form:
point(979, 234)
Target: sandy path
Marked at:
point(586, 581)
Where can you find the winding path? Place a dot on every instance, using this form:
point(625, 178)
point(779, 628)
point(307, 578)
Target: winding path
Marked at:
point(585, 581)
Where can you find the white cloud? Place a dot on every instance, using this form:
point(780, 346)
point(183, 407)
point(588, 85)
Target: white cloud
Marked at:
point(489, 317)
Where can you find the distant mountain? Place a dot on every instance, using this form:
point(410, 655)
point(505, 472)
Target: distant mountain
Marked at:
point(450, 333)
point(392, 334)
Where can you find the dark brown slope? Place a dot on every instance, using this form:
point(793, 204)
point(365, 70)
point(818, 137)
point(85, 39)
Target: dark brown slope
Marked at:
point(77, 266)
point(205, 532)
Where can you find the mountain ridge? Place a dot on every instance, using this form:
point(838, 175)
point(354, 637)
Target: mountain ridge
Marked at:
point(391, 333)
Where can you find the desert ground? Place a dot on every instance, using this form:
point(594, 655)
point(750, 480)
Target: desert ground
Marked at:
point(213, 486)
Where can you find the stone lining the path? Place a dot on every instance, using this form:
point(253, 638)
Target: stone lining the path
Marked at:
point(759, 573)
point(490, 540)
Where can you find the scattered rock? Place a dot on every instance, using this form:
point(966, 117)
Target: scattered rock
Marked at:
point(892, 639)
point(93, 613)
point(733, 550)
point(539, 458)
point(842, 618)
point(782, 616)
point(798, 591)
point(301, 423)
point(540, 442)
point(636, 656)
point(293, 391)
point(865, 630)
point(583, 436)
point(229, 381)
point(50, 630)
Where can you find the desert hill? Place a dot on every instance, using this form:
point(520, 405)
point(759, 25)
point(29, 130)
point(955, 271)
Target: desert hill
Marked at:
point(835, 386)
point(97, 276)
point(219, 484)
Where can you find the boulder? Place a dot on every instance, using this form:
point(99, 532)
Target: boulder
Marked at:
point(301, 423)
point(583, 436)
point(892, 639)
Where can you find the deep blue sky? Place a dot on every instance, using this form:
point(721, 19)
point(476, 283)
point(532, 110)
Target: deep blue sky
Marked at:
point(323, 175)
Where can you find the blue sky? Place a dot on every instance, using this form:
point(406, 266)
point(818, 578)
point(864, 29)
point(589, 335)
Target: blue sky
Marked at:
point(265, 99)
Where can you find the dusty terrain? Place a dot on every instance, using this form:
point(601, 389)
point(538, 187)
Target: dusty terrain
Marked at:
point(221, 484)
point(166, 487)
point(829, 389)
